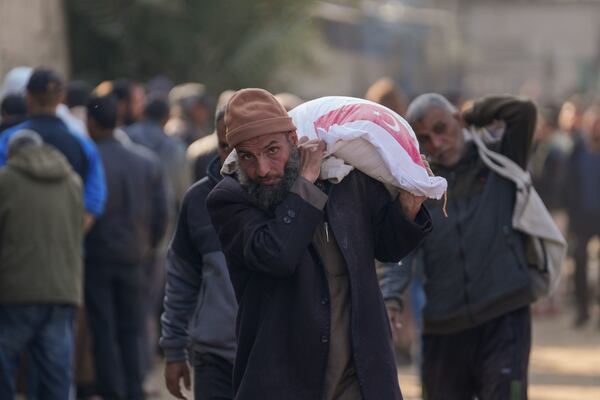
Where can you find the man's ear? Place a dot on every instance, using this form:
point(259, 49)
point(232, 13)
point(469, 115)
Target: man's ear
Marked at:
point(293, 137)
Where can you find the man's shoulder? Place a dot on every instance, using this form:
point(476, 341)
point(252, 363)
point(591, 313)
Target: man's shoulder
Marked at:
point(199, 190)
point(140, 153)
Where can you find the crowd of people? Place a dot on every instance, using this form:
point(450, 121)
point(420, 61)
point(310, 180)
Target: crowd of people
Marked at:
point(122, 241)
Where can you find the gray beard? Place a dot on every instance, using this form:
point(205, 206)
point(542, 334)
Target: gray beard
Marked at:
point(268, 197)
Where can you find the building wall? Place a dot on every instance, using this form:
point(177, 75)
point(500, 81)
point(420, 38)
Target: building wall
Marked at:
point(32, 33)
point(543, 48)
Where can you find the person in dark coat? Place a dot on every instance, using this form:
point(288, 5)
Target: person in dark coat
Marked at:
point(311, 322)
point(476, 320)
point(581, 199)
point(198, 322)
point(117, 247)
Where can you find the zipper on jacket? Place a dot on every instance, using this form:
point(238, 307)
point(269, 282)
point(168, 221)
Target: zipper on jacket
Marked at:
point(327, 231)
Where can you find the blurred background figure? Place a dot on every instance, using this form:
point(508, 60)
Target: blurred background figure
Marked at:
point(44, 93)
point(551, 147)
point(202, 151)
point(190, 112)
point(571, 114)
point(581, 191)
point(159, 86)
point(171, 153)
point(77, 96)
point(14, 81)
point(288, 100)
point(123, 240)
point(385, 92)
point(547, 166)
point(41, 231)
point(13, 111)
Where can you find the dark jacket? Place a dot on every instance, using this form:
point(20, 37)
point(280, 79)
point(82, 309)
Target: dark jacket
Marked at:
point(283, 320)
point(473, 262)
point(135, 216)
point(170, 152)
point(200, 304)
point(41, 228)
point(580, 193)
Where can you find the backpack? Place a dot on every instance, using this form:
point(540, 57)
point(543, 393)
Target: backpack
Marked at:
point(545, 246)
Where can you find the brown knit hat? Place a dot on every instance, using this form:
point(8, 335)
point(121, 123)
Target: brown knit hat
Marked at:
point(254, 112)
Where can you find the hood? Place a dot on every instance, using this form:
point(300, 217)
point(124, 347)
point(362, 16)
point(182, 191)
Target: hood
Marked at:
point(40, 162)
point(213, 171)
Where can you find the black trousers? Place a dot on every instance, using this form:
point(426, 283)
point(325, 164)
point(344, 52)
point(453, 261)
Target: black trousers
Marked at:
point(213, 377)
point(579, 243)
point(113, 309)
point(488, 362)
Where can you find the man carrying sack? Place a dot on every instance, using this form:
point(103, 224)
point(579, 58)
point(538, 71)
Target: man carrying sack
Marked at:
point(311, 321)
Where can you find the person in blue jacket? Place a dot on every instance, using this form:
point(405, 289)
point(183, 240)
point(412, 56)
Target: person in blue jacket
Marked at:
point(44, 93)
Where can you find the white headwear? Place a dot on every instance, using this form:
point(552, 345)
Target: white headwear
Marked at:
point(15, 81)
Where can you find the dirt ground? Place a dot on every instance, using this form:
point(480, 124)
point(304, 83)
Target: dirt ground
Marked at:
point(565, 363)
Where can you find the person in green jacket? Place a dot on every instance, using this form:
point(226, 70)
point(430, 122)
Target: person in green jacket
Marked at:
point(41, 231)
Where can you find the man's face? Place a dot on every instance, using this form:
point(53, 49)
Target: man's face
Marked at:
point(199, 114)
point(440, 135)
point(591, 127)
point(569, 118)
point(223, 149)
point(263, 159)
point(135, 106)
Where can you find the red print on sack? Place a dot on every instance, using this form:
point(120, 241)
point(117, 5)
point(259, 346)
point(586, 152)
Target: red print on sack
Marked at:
point(376, 114)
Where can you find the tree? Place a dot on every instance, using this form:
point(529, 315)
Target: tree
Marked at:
point(222, 43)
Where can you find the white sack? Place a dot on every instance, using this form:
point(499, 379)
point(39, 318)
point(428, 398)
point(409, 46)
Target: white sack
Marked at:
point(366, 136)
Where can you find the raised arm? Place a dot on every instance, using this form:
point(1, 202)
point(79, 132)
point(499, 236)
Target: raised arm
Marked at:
point(519, 116)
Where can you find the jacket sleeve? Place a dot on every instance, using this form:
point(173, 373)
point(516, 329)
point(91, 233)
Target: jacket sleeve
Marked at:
point(396, 277)
point(254, 240)
point(395, 236)
point(183, 282)
point(519, 116)
point(94, 192)
point(183, 279)
point(4, 146)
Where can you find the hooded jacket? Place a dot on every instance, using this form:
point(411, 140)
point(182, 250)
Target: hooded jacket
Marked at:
point(134, 221)
point(200, 304)
point(41, 228)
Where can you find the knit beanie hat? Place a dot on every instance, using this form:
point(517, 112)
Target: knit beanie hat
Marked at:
point(254, 112)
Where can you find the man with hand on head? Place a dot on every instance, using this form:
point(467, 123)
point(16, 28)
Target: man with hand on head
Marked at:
point(311, 323)
point(476, 321)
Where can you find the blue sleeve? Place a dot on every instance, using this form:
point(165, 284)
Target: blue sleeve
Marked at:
point(94, 194)
point(4, 143)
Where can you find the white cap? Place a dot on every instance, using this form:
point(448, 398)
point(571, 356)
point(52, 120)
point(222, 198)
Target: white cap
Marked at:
point(15, 81)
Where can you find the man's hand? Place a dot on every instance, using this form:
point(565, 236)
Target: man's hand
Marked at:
point(174, 372)
point(411, 204)
point(394, 311)
point(311, 157)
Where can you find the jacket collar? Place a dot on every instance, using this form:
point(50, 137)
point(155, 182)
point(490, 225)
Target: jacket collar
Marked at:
point(213, 171)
